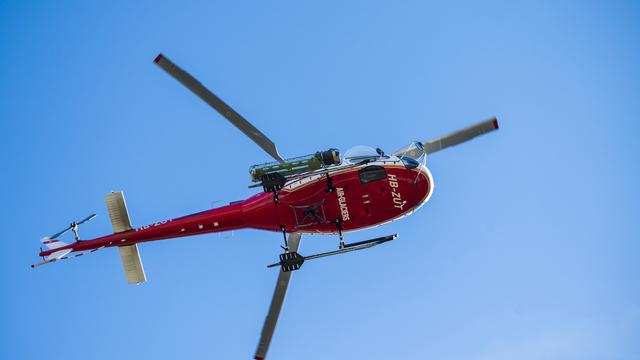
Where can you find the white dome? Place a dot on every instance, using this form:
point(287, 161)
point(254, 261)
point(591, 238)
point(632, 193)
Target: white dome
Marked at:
point(359, 153)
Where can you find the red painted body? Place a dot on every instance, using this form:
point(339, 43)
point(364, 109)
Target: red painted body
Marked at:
point(304, 206)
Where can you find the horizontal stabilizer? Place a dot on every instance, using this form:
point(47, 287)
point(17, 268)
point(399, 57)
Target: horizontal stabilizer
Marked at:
point(118, 213)
point(129, 255)
point(132, 264)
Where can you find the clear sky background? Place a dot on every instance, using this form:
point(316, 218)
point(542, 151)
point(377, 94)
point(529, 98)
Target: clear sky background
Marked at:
point(528, 248)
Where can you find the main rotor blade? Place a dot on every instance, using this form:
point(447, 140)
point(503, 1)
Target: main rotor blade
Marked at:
point(86, 219)
point(220, 106)
point(460, 136)
point(276, 303)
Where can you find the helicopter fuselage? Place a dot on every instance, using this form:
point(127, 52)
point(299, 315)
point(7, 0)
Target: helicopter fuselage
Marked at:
point(339, 199)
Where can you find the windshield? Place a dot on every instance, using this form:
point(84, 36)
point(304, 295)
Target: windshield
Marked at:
point(360, 153)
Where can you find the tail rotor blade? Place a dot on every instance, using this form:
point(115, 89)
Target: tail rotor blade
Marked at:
point(86, 219)
point(55, 236)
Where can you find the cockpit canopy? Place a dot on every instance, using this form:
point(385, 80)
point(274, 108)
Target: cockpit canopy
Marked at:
point(361, 153)
point(411, 155)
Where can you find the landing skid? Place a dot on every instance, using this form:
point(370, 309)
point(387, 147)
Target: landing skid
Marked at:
point(291, 261)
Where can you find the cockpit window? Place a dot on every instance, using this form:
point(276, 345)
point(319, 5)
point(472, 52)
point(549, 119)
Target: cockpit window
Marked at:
point(409, 163)
point(372, 173)
point(414, 150)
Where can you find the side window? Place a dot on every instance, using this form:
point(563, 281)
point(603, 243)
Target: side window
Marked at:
point(372, 173)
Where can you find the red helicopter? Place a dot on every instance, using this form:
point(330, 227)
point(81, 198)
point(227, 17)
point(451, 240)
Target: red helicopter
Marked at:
point(321, 193)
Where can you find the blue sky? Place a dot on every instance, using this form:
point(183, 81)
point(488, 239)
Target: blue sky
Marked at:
point(528, 248)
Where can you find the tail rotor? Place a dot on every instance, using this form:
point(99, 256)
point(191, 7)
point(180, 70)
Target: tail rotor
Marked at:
point(61, 249)
point(73, 227)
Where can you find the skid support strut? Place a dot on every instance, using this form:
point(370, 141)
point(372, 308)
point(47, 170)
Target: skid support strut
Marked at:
point(286, 243)
point(273, 182)
point(339, 228)
point(330, 187)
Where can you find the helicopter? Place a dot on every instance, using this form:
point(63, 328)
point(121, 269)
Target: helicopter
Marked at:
point(325, 192)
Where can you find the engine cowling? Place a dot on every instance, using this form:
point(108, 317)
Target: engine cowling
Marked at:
point(295, 166)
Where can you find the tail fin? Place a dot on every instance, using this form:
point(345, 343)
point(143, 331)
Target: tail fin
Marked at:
point(52, 243)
